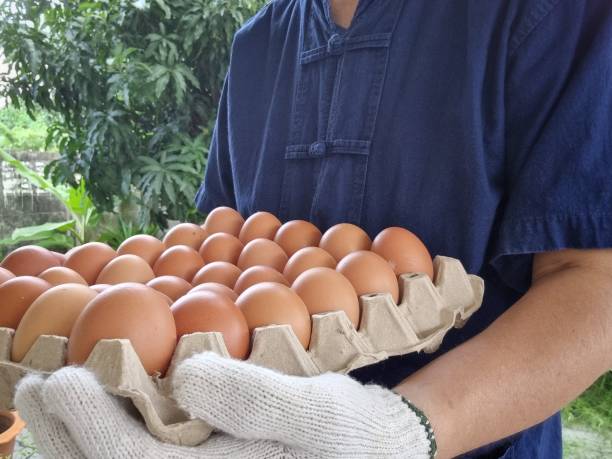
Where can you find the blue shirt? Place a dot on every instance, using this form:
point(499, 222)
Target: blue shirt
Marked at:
point(483, 126)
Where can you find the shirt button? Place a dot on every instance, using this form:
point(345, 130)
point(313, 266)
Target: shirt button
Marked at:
point(317, 149)
point(335, 44)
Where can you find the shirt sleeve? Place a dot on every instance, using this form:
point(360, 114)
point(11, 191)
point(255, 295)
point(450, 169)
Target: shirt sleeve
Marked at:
point(558, 171)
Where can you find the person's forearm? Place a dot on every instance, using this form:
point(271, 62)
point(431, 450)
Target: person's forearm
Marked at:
point(539, 355)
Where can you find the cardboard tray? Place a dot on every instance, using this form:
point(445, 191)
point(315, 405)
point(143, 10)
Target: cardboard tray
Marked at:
point(425, 314)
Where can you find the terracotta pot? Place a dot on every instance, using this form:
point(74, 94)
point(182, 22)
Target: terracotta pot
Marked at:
point(10, 426)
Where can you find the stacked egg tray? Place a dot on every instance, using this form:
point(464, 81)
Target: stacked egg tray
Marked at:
point(427, 311)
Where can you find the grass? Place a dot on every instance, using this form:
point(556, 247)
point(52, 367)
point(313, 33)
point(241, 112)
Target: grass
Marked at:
point(593, 409)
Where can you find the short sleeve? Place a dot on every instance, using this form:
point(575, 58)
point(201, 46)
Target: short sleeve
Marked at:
point(558, 170)
point(217, 188)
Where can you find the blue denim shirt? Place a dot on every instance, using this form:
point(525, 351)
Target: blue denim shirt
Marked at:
point(483, 126)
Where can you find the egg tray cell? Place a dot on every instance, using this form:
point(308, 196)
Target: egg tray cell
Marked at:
point(425, 314)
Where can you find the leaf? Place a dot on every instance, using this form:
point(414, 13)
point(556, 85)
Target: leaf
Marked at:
point(27, 233)
point(160, 84)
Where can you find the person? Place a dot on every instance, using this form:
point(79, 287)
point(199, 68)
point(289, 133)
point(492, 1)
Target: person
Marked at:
point(483, 127)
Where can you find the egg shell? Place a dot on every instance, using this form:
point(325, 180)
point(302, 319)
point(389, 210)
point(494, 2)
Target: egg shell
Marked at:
point(60, 257)
point(221, 272)
point(16, 296)
point(296, 235)
point(126, 311)
point(29, 260)
point(52, 313)
point(61, 275)
point(263, 252)
point(179, 260)
point(270, 303)
point(215, 287)
point(188, 234)
point(404, 251)
point(344, 238)
point(173, 287)
point(326, 290)
point(147, 247)
point(257, 274)
point(221, 247)
point(223, 220)
point(259, 225)
point(306, 258)
point(100, 287)
point(89, 259)
point(369, 273)
point(126, 268)
point(5, 275)
point(206, 311)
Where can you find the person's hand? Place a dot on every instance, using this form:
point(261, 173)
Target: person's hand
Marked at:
point(262, 413)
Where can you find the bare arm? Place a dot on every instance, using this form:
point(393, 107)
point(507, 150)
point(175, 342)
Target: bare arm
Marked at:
point(536, 357)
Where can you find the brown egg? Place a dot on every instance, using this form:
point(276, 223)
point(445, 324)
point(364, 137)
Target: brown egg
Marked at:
point(369, 273)
point(172, 286)
point(16, 296)
point(178, 260)
point(296, 235)
point(404, 251)
point(89, 259)
point(126, 268)
point(326, 290)
point(29, 260)
point(262, 252)
point(221, 247)
point(52, 313)
point(344, 238)
point(5, 275)
point(215, 287)
point(259, 225)
point(61, 275)
point(306, 258)
point(100, 287)
point(212, 312)
point(270, 303)
point(60, 257)
point(221, 272)
point(145, 246)
point(126, 311)
point(223, 220)
point(257, 274)
point(188, 234)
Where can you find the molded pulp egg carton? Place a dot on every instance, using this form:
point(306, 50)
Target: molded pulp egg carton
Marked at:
point(426, 312)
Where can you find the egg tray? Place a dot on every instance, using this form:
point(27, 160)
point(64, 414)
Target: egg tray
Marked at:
point(425, 314)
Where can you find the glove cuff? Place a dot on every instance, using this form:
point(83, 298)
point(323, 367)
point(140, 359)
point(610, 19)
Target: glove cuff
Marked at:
point(424, 420)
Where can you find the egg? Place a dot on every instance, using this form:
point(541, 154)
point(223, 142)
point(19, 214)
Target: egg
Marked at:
point(100, 287)
point(269, 303)
point(188, 234)
point(5, 275)
point(16, 296)
point(326, 290)
point(259, 225)
point(89, 259)
point(126, 268)
point(262, 252)
point(344, 238)
point(172, 286)
point(221, 247)
point(404, 251)
point(255, 275)
point(180, 261)
point(297, 234)
point(306, 258)
point(126, 311)
point(223, 220)
point(52, 313)
point(369, 273)
point(29, 260)
point(145, 246)
point(206, 311)
point(61, 275)
point(221, 272)
point(215, 287)
point(60, 257)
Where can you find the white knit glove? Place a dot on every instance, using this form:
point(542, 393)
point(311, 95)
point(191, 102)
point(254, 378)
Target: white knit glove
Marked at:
point(266, 414)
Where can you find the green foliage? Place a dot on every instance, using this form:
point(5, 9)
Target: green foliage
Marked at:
point(21, 132)
point(593, 409)
point(134, 85)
